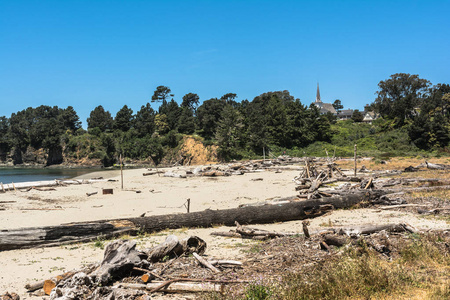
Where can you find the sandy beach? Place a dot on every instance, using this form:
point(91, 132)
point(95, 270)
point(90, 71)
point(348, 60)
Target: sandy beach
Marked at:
point(153, 195)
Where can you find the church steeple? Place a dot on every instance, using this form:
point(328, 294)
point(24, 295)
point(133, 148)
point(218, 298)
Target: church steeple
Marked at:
point(318, 95)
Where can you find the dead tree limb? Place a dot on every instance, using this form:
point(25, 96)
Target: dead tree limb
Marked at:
point(205, 263)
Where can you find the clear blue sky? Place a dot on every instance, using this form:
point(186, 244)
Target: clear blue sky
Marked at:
point(111, 53)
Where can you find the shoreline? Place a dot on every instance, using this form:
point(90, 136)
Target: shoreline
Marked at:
point(29, 175)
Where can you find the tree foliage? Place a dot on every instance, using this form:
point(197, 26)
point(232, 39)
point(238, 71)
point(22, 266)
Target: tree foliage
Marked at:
point(431, 127)
point(357, 116)
point(337, 104)
point(400, 95)
point(100, 118)
point(161, 94)
point(124, 119)
point(144, 121)
point(414, 115)
point(229, 133)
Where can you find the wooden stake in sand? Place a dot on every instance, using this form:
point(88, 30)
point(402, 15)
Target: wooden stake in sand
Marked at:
point(121, 170)
point(188, 205)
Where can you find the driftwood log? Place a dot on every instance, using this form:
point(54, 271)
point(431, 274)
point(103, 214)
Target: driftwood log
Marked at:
point(173, 247)
point(56, 235)
point(82, 232)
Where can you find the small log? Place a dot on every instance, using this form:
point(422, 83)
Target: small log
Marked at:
point(107, 191)
point(169, 247)
point(173, 287)
point(49, 285)
point(148, 272)
point(339, 171)
point(402, 206)
point(44, 189)
point(370, 229)
point(351, 179)
point(150, 173)
point(433, 211)
point(305, 229)
point(315, 184)
point(227, 234)
point(214, 173)
point(324, 194)
point(437, 166)
point(246, 232)
point(334, 240)
point(233, 263)
point(302, 187)
point(205, 263)
point(90, 194)
point(324, 246)
point(369, 184)
point(147, 277)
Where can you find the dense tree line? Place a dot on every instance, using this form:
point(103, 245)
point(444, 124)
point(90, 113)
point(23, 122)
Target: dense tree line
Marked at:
point(411, 102)
point(239, 129)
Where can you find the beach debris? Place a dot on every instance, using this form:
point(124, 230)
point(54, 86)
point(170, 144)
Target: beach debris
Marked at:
point(151, 172)
point(175, 175)
point(128, 273)
point(91, 194)
point(205, 263)
point(9, 296)
point(246, 232)
point(116, 276)
point(107, 191)
point(437, 166)
point(31, 287)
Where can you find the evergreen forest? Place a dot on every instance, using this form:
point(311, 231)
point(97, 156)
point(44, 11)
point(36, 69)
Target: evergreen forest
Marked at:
point(414, 119)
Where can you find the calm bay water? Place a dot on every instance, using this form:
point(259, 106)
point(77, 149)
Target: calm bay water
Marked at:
point(8, 175)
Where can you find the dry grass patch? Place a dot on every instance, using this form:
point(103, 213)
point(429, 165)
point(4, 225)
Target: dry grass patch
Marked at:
point(395, 163)
point(419, 269)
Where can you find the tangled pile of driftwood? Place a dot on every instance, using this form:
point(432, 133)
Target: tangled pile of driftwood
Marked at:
point(236, 168)
point(130, 273)
point(126, 272)
point(325, 179)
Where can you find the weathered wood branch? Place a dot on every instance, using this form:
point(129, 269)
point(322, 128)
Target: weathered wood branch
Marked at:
point(205, 263)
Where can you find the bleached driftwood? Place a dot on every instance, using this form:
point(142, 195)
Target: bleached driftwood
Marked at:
point(205, 263)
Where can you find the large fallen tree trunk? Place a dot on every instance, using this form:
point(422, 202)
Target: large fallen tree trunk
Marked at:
point(77, 232)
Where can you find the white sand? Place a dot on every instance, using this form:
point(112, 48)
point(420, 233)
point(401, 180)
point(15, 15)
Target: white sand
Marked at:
point(70, 204)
